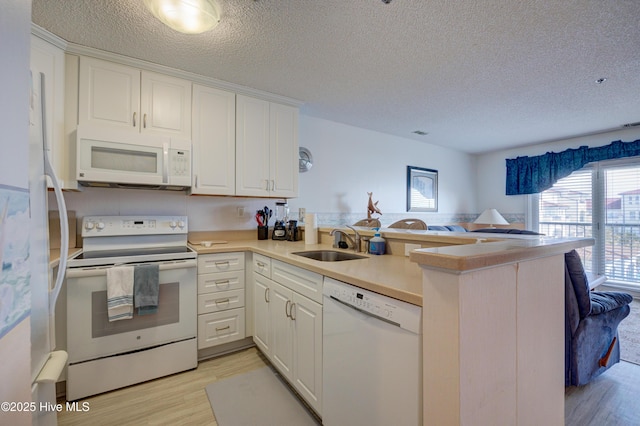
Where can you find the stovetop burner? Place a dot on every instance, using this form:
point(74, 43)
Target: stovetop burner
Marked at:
point(104, 254)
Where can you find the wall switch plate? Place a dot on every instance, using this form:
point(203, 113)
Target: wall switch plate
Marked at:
point(240, 211)
point(409, 247)
point(301, 212)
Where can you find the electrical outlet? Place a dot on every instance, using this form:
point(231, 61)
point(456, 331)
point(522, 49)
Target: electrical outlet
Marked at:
point(301, 212)
point(240, 211)
point(409, 247)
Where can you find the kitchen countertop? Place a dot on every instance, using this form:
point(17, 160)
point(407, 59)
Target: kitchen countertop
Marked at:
point(462, 258)
point(399, 277)
point(393, 276)
point(54, 255)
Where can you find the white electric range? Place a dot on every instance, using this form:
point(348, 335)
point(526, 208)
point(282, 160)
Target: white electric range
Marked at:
point(107, 355)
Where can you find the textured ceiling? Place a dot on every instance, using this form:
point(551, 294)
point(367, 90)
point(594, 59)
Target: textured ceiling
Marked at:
point(476, 75)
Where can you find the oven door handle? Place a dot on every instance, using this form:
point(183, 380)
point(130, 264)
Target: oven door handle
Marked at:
point(102, 270)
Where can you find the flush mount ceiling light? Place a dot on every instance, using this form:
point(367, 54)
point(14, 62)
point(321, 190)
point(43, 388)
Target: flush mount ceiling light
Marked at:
point(186, 16)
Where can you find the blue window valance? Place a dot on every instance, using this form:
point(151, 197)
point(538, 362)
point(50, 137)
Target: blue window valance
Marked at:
point(531, 175)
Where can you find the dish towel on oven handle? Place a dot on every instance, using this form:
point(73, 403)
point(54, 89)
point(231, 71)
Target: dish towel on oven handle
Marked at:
point(120, 293)
point(146, 286)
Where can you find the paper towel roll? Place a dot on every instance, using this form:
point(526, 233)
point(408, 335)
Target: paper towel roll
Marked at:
point(310, 229)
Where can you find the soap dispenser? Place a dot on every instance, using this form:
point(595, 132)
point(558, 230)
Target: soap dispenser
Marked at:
point(377, 244)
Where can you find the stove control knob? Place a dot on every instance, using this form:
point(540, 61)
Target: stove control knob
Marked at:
point(89, 226)
point(100, 225)
point(173, 224)
point(181, 224)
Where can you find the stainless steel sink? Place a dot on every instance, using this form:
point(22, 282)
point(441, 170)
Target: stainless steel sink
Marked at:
point(329, 255)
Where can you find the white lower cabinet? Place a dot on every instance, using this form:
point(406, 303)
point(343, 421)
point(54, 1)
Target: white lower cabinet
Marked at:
point(282, 329)
point(307, 349)
point(261, 315)
point(221, 299)
point(288, 330)
point(220, 327)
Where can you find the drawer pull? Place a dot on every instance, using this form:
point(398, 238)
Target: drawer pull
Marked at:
point(223, 328)
point(225, 282)
point(260, 264)
point(227, 300)
point(222, 262)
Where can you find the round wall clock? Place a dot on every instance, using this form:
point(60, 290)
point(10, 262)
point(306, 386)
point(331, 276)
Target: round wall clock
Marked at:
point(305, 160)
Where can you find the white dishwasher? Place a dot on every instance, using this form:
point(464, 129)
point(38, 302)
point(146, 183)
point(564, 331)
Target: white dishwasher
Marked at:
point(372, 358)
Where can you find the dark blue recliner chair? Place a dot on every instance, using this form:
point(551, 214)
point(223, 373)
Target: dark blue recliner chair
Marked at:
point(591, 325)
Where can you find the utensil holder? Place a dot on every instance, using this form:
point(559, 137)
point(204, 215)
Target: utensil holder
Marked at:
point(263, 232)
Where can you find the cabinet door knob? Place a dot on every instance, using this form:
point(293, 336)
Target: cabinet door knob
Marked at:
point(286, 309)
point(266, 294)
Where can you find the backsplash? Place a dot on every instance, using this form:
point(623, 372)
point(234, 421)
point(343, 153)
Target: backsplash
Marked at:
point(341, 219)
point(223, 213)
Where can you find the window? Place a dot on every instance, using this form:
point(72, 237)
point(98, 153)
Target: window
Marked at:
point(599, 201)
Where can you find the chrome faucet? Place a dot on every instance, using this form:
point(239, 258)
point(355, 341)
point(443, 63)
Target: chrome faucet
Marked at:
point(355, 244)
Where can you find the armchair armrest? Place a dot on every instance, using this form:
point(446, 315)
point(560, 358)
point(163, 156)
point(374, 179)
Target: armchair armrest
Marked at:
point(605, 301)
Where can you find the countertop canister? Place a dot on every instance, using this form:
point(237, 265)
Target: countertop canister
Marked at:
point(310, 229)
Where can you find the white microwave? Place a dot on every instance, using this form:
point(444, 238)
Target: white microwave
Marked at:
point(117, 158)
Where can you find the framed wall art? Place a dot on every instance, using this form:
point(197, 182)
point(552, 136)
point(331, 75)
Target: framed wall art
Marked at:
point(422, 189)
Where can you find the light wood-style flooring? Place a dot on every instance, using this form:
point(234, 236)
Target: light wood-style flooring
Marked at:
point(180, 399)
point(613, 398)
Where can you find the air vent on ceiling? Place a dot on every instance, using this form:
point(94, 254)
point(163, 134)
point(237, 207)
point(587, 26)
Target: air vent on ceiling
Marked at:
point(420, 132)
point(636, 124)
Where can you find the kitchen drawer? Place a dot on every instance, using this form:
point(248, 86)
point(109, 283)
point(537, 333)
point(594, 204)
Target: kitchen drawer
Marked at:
point(300, 280)
point(220, 281)
point(220, 327)
point(220, 301)
point(262, 265)
point(220, 262)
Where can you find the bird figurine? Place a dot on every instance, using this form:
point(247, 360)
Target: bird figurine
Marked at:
point(372, 207)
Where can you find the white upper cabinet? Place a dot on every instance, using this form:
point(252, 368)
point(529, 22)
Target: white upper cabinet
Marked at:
point(252, 147)
point(266, 148)
point(283, 155)
point(118, 95)
point(50, 60)
point(214, 141)
point(165, 104)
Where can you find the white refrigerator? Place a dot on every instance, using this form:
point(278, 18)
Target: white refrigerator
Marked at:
point(46, 363)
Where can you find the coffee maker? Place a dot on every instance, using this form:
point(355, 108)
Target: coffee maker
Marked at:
point(282, 215)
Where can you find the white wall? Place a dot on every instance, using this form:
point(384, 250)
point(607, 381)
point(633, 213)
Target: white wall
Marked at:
point(205, 213)
point(492, 169)
point(348, 163)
